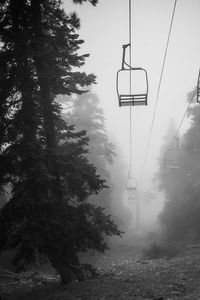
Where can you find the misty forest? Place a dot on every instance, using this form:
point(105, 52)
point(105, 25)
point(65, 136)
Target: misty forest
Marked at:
point(75, 221)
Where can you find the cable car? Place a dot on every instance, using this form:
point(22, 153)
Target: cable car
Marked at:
point(198, 88)
point(138, 92)
point(171, 155)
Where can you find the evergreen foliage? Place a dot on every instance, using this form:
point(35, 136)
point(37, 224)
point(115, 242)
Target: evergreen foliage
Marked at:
point(86, 113)
point(181, 213)
point(42, 158)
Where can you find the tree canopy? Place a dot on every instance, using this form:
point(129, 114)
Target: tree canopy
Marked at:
point(181, 216)
point(86, 113)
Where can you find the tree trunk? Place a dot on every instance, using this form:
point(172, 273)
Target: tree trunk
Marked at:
point(43, 69)
point(41, 58)
point(67, 266)
point(25, 81)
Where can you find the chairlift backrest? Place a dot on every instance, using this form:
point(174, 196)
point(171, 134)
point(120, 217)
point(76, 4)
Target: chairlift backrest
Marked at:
point(174, 146)
point(131, 184)
point(171, 158)
point(131, 188)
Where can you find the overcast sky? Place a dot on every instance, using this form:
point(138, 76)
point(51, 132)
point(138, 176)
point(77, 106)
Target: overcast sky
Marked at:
point(105, 29)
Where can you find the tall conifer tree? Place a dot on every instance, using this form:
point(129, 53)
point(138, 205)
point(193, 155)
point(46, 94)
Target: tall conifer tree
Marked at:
point(43, 159)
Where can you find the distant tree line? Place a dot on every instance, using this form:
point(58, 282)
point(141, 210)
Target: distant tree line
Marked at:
point(181, 214)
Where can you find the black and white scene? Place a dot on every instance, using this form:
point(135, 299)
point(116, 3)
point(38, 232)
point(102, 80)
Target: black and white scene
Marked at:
point(99, 150)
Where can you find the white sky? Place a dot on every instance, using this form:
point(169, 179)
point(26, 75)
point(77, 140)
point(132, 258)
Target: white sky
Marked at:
point(105, 29)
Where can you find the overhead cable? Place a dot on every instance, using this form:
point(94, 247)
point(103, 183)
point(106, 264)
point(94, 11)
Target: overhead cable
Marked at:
point(159, 86)
point(130, 79)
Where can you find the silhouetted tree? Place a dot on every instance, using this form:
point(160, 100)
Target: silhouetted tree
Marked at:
point(43, 159)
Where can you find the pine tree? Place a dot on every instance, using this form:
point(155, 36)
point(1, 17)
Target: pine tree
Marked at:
point(180, 216)
point(87, 114)
point(43, 159)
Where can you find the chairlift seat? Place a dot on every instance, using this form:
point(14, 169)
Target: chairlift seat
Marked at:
point(131, 184)
point(131, 188)
point(132, 100)
point(132, 200)
point(171, 164)
point(171, 159)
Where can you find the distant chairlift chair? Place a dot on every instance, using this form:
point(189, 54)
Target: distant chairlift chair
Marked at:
point(171, 155)
point(131, 188)
point(131, 97)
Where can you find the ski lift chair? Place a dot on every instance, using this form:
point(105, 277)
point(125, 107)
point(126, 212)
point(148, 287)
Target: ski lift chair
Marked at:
point(171, 155)
point(170, 160)
point(127, 97)
point(131, 188)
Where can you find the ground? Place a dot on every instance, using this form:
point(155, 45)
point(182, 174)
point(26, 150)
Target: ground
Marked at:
point(124, 274)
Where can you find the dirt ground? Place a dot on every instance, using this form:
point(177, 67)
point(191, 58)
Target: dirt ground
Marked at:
point(124, 273)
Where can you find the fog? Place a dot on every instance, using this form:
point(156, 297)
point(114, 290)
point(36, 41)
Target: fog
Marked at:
point(104, 29)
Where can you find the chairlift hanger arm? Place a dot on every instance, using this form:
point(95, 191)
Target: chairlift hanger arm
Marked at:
point(128, 98)
point(125, 63)
point(123, 54)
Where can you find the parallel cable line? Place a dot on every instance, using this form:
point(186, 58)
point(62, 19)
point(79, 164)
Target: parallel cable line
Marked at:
point(159, 86)
point(130, 87)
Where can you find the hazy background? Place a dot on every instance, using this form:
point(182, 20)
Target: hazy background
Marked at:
point(104, 29)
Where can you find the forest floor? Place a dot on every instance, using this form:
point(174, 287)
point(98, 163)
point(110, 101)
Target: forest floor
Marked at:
point(124, 273)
